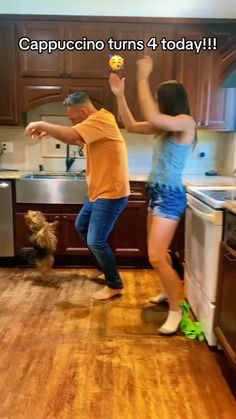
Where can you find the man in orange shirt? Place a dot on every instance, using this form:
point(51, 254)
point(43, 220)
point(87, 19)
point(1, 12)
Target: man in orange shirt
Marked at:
point(106, 174)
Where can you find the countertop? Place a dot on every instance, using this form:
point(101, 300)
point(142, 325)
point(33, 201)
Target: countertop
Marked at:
point(231, 205)
point(189, 180)
point(14, 175)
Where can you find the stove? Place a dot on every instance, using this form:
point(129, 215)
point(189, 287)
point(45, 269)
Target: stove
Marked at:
point(203, 233)
point(215, 196)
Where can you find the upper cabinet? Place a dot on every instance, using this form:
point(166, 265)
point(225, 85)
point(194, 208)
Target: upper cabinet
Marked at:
point(228, 59)
point(37, 64)
point(189, 70)
point(90, 63)
point(218, 103)
point(212, 106)
point(8, 102)
point(29, 78)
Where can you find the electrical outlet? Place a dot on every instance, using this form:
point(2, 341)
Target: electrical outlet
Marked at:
point(7, 147)
point(202, 152)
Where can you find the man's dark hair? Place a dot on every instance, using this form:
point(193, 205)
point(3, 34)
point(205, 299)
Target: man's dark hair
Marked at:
point(77, 98)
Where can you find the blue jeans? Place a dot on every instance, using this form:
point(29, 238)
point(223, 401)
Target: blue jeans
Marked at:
point(94, 223)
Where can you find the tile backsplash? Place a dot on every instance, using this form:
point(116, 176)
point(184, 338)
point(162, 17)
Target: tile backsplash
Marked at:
point(219, 149)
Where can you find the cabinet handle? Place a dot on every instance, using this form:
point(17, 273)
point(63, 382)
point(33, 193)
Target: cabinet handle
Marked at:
point(4, 185)
point(136, 193)
point(69, 73)
point(64, 217)
point(62, 73)
point(202, 124)
point(57, 217)
point(230, 258)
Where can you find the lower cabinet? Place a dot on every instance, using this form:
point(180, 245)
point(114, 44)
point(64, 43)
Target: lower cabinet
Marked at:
point(225, 320)
point(128, 238)
point(69, 242)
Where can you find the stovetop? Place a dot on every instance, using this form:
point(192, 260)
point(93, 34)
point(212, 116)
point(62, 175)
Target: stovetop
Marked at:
point(215, 196)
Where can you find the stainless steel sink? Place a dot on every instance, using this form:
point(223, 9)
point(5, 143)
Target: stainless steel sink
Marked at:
point(52, 188)
point(71, 177)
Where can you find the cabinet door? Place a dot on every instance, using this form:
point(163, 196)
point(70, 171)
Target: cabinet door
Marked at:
point(22, 234)
point(218, 103)
point(41, 65)
point(35, 92)
point(129, 235)
point(91, 63)
point(122, 32)
point(163, 60)
point(98, 91)
point(190, 68)
point(225, 305)
point(8, 100)
point(72, 243)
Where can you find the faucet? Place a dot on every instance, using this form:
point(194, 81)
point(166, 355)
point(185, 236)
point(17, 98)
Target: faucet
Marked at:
point(69, 160)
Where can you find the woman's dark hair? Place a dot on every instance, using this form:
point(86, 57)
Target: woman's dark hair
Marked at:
point(173, 100)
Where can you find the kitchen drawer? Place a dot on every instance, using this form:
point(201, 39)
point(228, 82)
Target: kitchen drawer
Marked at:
point(138, 191)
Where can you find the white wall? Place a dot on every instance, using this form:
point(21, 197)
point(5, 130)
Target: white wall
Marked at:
point(159, 8)
point(220, 149)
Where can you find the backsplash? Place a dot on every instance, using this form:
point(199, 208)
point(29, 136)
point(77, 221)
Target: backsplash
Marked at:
point(219, 149)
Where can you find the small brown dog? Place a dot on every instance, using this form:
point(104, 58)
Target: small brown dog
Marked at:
point(44, 242)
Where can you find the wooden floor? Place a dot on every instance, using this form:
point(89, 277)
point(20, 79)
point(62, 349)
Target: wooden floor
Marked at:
point(64, 356)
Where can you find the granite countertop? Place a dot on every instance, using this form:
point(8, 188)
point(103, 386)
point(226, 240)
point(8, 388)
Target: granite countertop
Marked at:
point(202, 180)
point(14, 175)
point(231, 206)
point(193, 180)
point(189, 180)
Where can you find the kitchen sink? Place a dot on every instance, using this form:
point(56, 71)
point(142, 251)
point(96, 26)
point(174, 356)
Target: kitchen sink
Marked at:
point(71, 177)
point(52, 188)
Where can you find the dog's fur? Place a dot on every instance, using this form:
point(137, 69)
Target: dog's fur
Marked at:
point(44, 242)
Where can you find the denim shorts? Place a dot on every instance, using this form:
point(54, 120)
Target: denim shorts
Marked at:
point(167, 202)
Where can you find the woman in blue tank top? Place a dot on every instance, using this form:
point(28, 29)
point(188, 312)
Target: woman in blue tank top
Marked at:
point(170, 121)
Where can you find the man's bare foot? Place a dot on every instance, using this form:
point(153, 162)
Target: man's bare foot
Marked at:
point(106, 293)
point(96, 274)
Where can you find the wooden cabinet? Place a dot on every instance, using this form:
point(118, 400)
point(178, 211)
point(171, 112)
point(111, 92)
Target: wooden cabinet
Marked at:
point(69, 242)
point(212, 106)
point(225, 321)
point(33, 78)
point(163, 60)
point(189, 71)
point(128, 239)
point(90, 63)
point(124, 32)
point(43, 64)
point(35, 91)
point(8, 102)
point(218, 103)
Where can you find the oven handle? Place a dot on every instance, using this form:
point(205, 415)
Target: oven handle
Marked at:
point(206, 217)
point(4, 185)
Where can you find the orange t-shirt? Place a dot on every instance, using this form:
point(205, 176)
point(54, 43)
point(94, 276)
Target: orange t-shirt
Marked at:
point(107, 161)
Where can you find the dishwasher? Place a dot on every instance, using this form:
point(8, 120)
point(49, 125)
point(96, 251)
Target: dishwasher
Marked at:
point(6, 220)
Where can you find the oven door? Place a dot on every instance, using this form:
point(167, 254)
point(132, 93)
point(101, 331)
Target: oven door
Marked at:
point(203, 233)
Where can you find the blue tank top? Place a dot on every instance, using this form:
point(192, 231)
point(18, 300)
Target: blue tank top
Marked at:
point(168, 163)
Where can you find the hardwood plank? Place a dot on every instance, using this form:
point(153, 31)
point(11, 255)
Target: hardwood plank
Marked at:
point(64, 356)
